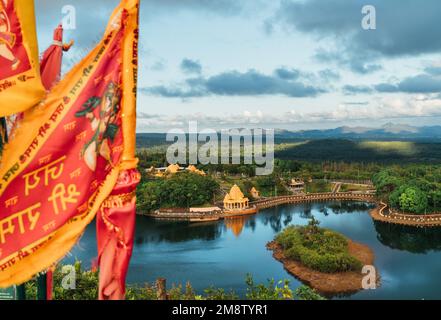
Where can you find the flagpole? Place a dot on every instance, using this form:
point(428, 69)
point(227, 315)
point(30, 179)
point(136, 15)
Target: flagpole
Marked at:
point(42, 287)
point(21, 292)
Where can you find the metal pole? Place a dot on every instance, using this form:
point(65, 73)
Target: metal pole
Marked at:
point(42, 287)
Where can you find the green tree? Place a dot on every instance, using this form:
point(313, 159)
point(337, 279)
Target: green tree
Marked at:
point(180, 190)
point(413, 200)
point(435, 197)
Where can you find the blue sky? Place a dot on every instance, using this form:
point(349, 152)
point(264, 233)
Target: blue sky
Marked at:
point(283, 64)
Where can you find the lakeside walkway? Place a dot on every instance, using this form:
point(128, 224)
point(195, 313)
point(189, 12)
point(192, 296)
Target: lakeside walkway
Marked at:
point(313, 197)
point(263, 204)
point(381, 213)
point(388, 216)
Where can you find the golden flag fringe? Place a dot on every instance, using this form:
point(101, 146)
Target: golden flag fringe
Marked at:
point(69, 150)
point(20, 82)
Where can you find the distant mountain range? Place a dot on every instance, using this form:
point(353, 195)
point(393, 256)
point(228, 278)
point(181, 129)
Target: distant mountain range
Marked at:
point(389, 131)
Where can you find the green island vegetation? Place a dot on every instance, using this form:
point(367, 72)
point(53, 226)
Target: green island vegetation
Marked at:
point(86, 288)
point(317, 248)
point(414, 189)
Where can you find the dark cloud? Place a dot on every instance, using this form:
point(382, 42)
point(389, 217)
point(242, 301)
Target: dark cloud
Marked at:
point(234, 83)
point(329, 75)
point(191, 66)
point(386, 87)
point(215, 6)
point(351, 90)
point(423, 83)
point(287, 74)
point(355, 61)
point(173, 92)
point(404, 28)
point(254, 83)
point(436, 71)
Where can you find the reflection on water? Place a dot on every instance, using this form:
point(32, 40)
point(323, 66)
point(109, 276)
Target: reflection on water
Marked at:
point(237, 224)
point(174, 232)
point(221, 253)
point(409, 239)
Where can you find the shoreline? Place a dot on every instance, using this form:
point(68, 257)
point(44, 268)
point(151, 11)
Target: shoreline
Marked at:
point(328, 284)
point(418, 221)
point(410, 220)
point(258, 205)
point(197, 216)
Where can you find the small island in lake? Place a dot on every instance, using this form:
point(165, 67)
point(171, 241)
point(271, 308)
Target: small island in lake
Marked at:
point(323, 259)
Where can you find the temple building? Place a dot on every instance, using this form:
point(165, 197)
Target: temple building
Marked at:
point(296, 186)
point(193, 169)
point(235, 200)
point(173, 168)
point(152, 170)
point(255, 193)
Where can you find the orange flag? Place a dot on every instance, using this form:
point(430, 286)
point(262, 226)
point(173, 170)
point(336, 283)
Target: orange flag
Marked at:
point(69, 153)
point(20, 83)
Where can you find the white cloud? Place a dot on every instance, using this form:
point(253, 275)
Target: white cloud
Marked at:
point(383, 109)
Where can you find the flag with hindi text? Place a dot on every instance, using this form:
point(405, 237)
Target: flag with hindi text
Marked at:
point(69, 155)
point(20, 83)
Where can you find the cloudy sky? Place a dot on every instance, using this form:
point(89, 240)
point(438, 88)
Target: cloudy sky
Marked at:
point(284, 64)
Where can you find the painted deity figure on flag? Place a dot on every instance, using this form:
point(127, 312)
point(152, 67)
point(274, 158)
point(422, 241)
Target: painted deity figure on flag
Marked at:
point(102, 114)
point(7, 38)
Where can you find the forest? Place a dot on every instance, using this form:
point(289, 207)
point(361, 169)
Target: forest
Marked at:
point(412, 188)
point(406, 174)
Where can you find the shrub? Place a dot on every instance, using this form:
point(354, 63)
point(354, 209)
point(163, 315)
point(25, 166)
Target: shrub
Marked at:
point(306, 293)
point(319, 249)
point(271, 291)
point(87, 289)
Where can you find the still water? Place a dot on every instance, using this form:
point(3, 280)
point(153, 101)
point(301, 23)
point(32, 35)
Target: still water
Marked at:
point(222, 253)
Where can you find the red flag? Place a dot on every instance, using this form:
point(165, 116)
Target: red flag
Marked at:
point(50, 64)
point(68, 154)
point(116, 218)
point(20, 83)
point(50, 68)
point(115, 232)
